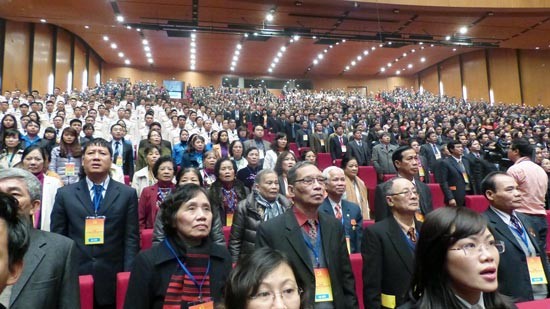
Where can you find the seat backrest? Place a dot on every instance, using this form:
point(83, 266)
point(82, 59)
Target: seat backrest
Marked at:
point(548, 234)
point(438, 199)
point(146, 239)
point(294, 148)
point(121, 288)
point(368, 175)
point(387, 177)
point(86, 283)
point(477, 203)
point(324, 160)
point(367, 223)
point(127, 180)
point(357, 268)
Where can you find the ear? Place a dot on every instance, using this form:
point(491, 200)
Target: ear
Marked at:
point(35, 206)
point(489, 195)
point(15, 272)
point(389, 200)
point(290, 192)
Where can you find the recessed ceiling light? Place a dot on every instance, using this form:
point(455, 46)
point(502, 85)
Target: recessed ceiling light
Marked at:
point(389, 64)
point(114, 46)
point(147, 48)
point(347, 68)
point(423, 59)
point(353, 63)
point(448, 38)
point(382, 69)
point(410, 66)
point(359, 58)
point(404, 54)
point(246, 35)
point(239, 46)
point(365, 52)
point(138, 29)
point(86, 27)
point(150, 60)
point(121, 54)
point(193, 35)
point(296, 37)
point(463, 30)
point(269, 17)
point(537, 47)
point(148, 55)
point(315, 61)
point(127, 61)
point(397, 72)
point(42, 20)
point(454, 49)
point(120, 18)
point(129, 27)
point(105, 38)
point(145, 42)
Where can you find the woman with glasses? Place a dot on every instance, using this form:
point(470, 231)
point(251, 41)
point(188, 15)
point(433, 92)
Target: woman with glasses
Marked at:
point(457, 260)
point(264, 279)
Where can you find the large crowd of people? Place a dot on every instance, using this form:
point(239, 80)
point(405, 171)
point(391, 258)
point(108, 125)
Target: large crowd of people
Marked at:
point(91, 169)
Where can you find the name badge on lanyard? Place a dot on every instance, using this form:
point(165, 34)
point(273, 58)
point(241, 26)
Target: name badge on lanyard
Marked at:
point(536, 271)
point(323, 288)
point(69, 169)
point(94, 231)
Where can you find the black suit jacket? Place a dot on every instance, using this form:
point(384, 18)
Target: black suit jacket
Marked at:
point(388, 262)
point(426, 150)
point(352, 220)
point(361, 153)
point(127, 159)
point(480, 168)
point(513, 274)
point(336, 148)
point(121, 238)
point(382, 210)
point(283, 233)
point(452, 182)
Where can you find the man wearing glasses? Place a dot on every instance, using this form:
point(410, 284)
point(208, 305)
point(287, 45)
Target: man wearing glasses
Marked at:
point(313, 241)
point(388, 247)
point(523, 270)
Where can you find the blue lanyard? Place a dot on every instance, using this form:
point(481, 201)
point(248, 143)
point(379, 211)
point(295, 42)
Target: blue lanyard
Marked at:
point(199, 286)
point(411, 245)
point(523, 238)
point(317, 247)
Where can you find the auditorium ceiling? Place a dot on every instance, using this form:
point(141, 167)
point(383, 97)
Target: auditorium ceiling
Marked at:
point(307, 37)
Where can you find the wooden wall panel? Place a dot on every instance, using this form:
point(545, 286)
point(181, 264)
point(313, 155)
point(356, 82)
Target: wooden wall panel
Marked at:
point(16, 56)
point(429, 80)
point(42, 58)
point(474, 75)
point(450, 77)
point(93, 70)
point(504, 77)
point(79, 65)
point(63, 59)
point(535, 69)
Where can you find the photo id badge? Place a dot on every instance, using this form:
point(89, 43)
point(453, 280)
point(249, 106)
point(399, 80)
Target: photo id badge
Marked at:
point(323, 289)
point(229, 219)
point(209, 304)
point(536, 271)
point(119, 161)
point(94, 231)
point(344, 148)
point(69, 169)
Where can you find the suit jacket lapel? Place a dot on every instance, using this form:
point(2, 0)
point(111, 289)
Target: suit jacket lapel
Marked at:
point(296, 239)
point(401, 247)
point(83, 195)
point(502, 228)
point(110, 197)
point(327, 239)
point(31, 261)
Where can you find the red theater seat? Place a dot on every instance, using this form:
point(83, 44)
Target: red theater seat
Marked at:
point(367, 223)
point(387, 177)
point(226, 233)
point(146, 239)
point(127, 180)
point(548, 235)
point(86, 283)
point(294, 148)
point(536, 304)
point(324, 160)
point(338, 162)
point(432, 178)
point(121, 287)
point(368, 175)
point(438, 199)
point(357, 268)
point(477, 203)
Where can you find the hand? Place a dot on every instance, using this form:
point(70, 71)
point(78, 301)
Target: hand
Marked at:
point(452, 203)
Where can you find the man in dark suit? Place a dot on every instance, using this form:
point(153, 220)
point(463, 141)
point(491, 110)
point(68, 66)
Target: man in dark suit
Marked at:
point(519, 238)
point(338, 143)
point(317, 141)
point(302, 135)
point(123, 154)
point(406, 163)
point(388, 248)
point(431, 150)
point(258, 142)
point(108, 211)
point(479, 166)
point(359, 149)
point(455, 176)
point(348, 213)
point(313, 241)
point(50, 270)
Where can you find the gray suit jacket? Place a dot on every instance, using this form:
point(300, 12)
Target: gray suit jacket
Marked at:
point(50, 274)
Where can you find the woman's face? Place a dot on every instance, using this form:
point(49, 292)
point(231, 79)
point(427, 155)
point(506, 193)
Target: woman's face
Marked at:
point(351, 168)
point(33, 116)
point(277, 290)
point(34, 162)
point(198, 145)
point(11, 141)
point(152, 157)
point(226, 172)
point(184, 136)
point(237, 150)
point(166, 171)
point(281, 142)
point(214, 137)
point(189, 177)
point(194, 218)
point(223, 137)
point(311, 157)
point(253, 157)
point(288, 162)
point(154, 138)
point(8, 122)
point(68, 138)
point(474, 272)
point(415, 146)
point(210, 160)
point(546, 165)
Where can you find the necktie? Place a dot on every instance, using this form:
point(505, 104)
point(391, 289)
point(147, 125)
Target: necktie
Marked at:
point(516, 225)
point(338, 211)
point(312, 229)
point(98, 189)
point(117, 150)
point(341, 140)
point(359, 143)
point(436, 151)
point(57, 132)
point(412, 235)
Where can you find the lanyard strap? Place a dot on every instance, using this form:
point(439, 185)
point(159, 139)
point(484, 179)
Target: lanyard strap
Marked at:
point(317, 249)
point(523, 237)
point(187, 272)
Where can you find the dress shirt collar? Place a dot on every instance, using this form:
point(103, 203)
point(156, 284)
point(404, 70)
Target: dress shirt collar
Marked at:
point(479, 305)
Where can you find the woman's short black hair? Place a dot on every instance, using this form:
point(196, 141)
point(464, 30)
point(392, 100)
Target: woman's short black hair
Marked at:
point(233, 143)
point(247, 276)
point(173, 202)
point(274, 144)
point(159, 162)
point(186, 170)
point(219, 164)
point(279, 163)
point(346, 159)
point(150, 148)
point(248, 150)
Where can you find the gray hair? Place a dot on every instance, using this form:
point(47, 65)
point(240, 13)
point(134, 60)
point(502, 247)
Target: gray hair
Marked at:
point(328, 170)
point(387, 187)
point(291, 177)
point(33, 185)
point(261, 174)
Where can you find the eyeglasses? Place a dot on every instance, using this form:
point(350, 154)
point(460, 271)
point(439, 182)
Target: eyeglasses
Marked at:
point(406, 193)
point(308, 181)
point(470, 249)
point(269, 296)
